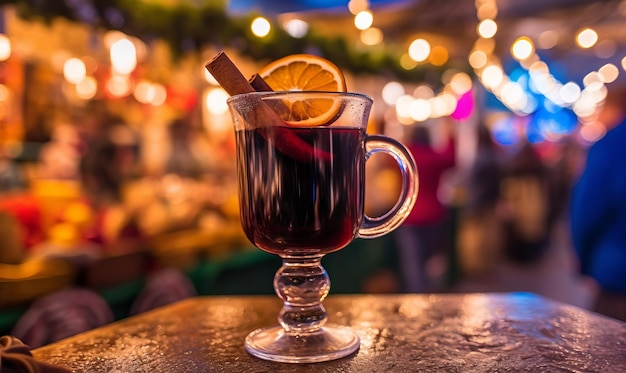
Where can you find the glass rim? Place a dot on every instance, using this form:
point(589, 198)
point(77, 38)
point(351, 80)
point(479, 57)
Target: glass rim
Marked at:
point(304, 94)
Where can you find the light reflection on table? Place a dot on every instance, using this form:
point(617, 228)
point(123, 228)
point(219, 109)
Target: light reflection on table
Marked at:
point(451, 332)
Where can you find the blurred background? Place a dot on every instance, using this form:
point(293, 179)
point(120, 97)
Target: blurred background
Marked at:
point(117, 179)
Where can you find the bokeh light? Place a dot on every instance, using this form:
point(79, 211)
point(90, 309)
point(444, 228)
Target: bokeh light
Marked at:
point(363, 20)
point(372, 36)
point(260, 27)
point(216, 101)
point(587, 38)
point(487, 28)
point(419, 50)
point(438, 56)
point(357, 6)
point(297, 28)
point(608, 73)
point(74, 70)
point(5, 47)
point(522, 48)
point(123, 56)
point(87, 88)
point(391, 92)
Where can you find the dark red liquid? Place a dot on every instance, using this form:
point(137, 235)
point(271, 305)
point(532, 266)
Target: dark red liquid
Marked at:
point(309, 202)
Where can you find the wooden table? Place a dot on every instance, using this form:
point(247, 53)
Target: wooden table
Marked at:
point(399, 333)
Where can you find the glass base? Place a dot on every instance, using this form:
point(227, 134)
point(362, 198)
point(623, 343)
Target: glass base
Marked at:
point(328, 343)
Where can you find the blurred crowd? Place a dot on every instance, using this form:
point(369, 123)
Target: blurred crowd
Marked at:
point(99, 180)
point(508, 203)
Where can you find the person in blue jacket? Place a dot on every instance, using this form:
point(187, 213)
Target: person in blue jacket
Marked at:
point(598, 209)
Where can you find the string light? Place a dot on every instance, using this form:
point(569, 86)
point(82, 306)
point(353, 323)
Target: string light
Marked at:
point(372, 36)
point(587, 38)
point(74, 70)
point(5, 47)
point(87, 88)
point(487, 28)
point(419, 50)
point(363, 20)
point(123, 56)
point(583, 101)
point(297, 28)
point(522, 48)
point(260, 27)
point(357, 6)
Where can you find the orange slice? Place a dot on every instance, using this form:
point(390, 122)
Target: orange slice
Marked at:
point(305, 72)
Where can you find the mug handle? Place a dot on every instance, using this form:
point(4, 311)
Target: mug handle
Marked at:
point(373, 227)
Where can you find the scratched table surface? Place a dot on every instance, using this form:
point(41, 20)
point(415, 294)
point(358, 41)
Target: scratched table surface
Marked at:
point(499, 332)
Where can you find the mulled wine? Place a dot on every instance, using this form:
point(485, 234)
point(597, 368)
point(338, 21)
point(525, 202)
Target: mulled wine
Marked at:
point(303, 200)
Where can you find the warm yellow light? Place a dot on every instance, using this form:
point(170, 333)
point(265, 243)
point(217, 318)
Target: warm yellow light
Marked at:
point(420, 110)
point(403, 105)
point(539, 67)
point(297, 28)
point(150, 93)
point(407, 62)
point(5, 47)
point(363, 20)
point(492, 76)
point(111, 37)
point(592, 78)
point(87, 88)
point(119, 85)
point(123, 56)
point(485, 45)
point(438, 56)
point(4, 93)
point(74, 70)
point(391, 92)
point(587, 38)
point(487, 10)
point(624, 63)
point(357, 6)
point(548, 39)
point(608, 73)
point(159, 95)
point(419, 50)
point(461, 83)
point(90, 64)
point(142, 92)
point(372, 36)
point(443, 105)
point(522, 48)
point(423, 91)
point(260, 27)
point(477, 59)
point(487, 28)
point(215, 101)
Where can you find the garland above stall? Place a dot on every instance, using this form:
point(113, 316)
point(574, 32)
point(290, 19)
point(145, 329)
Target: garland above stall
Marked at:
point(190, 26)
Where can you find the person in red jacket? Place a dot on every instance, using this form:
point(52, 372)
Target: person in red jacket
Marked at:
point(422, 234)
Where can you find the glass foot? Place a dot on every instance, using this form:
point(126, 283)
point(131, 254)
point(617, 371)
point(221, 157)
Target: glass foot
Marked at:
point(328, 343)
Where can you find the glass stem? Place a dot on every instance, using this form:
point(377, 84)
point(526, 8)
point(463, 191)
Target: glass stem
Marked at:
point(302, 283)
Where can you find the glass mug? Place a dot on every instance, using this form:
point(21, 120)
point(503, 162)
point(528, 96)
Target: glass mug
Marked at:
point(301, 196)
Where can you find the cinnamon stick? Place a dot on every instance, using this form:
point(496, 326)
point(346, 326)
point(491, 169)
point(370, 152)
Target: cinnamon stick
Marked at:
point(259, 84)
point(228, 75)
